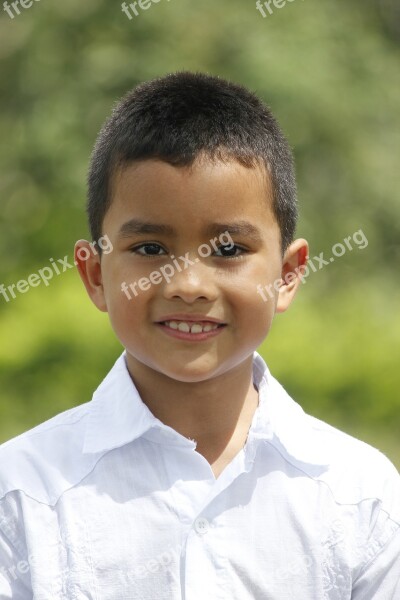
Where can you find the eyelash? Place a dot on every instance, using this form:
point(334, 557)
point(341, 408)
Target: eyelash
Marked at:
point(135, 249)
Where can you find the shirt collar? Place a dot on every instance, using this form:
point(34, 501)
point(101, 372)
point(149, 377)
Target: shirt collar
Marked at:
point(282, 421)
point(118, 416)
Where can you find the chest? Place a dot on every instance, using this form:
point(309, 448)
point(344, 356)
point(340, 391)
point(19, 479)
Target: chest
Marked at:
point(138, 541)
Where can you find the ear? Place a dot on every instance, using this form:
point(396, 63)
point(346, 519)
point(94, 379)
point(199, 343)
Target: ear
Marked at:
point(88, 261)
point(293, 267)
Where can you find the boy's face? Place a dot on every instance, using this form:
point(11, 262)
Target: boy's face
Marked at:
point(217, 283)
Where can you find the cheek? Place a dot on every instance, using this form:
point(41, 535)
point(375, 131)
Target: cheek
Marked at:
point(244, 284)
point(254, 312)
point(259, 309)
point(128, 321)
point(125, 305)
point(122, 314)
point(259, 313)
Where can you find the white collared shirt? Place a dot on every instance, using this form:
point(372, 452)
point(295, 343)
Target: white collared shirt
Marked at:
point(105, 502)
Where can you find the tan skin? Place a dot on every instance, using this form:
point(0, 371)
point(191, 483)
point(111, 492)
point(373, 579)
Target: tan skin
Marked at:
point(203, 390)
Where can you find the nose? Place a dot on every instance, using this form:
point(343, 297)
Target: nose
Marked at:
point(191, 282)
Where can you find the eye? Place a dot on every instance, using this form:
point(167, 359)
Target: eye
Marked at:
point(153, 250)
point(231, 249)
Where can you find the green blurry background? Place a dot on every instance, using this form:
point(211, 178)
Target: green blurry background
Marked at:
point(330, 72)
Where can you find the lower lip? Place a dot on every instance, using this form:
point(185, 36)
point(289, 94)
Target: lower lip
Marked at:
point(190, 337)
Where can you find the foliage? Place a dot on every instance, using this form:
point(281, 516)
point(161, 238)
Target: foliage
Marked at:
point(328, 70)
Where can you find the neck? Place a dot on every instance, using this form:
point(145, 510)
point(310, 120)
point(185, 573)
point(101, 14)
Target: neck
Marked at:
point(216, 413)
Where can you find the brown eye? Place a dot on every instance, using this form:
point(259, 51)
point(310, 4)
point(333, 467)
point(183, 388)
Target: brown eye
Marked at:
point(231, 249)
point(151, 250)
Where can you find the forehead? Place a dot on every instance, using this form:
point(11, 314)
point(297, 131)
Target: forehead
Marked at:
point(191, 196)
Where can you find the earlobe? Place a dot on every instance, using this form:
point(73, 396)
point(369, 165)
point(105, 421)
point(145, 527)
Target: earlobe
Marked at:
point(294, 263)
point(88, 261)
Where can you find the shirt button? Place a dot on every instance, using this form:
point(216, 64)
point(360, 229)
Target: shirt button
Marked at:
point(201, 525)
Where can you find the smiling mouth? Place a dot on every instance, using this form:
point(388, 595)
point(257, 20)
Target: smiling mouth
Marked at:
point(190, 327)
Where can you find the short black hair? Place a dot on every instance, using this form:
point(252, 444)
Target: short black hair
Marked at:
point(176, 118)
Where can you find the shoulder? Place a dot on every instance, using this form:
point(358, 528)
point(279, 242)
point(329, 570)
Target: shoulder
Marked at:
point(357, 471)
point(354, 472)
point(47, 459)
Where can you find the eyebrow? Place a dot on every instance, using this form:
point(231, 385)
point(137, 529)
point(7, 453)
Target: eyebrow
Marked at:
point(137, 226)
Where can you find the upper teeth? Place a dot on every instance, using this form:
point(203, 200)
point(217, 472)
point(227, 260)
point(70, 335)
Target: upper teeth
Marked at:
point(191, 327)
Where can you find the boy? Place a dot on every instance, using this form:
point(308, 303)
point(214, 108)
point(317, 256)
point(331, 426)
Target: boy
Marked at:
point(192, 474)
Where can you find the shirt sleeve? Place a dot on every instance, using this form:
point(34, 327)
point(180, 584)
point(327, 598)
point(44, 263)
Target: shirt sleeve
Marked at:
point(380, 579)
point(15, 579)
point(379, 575)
